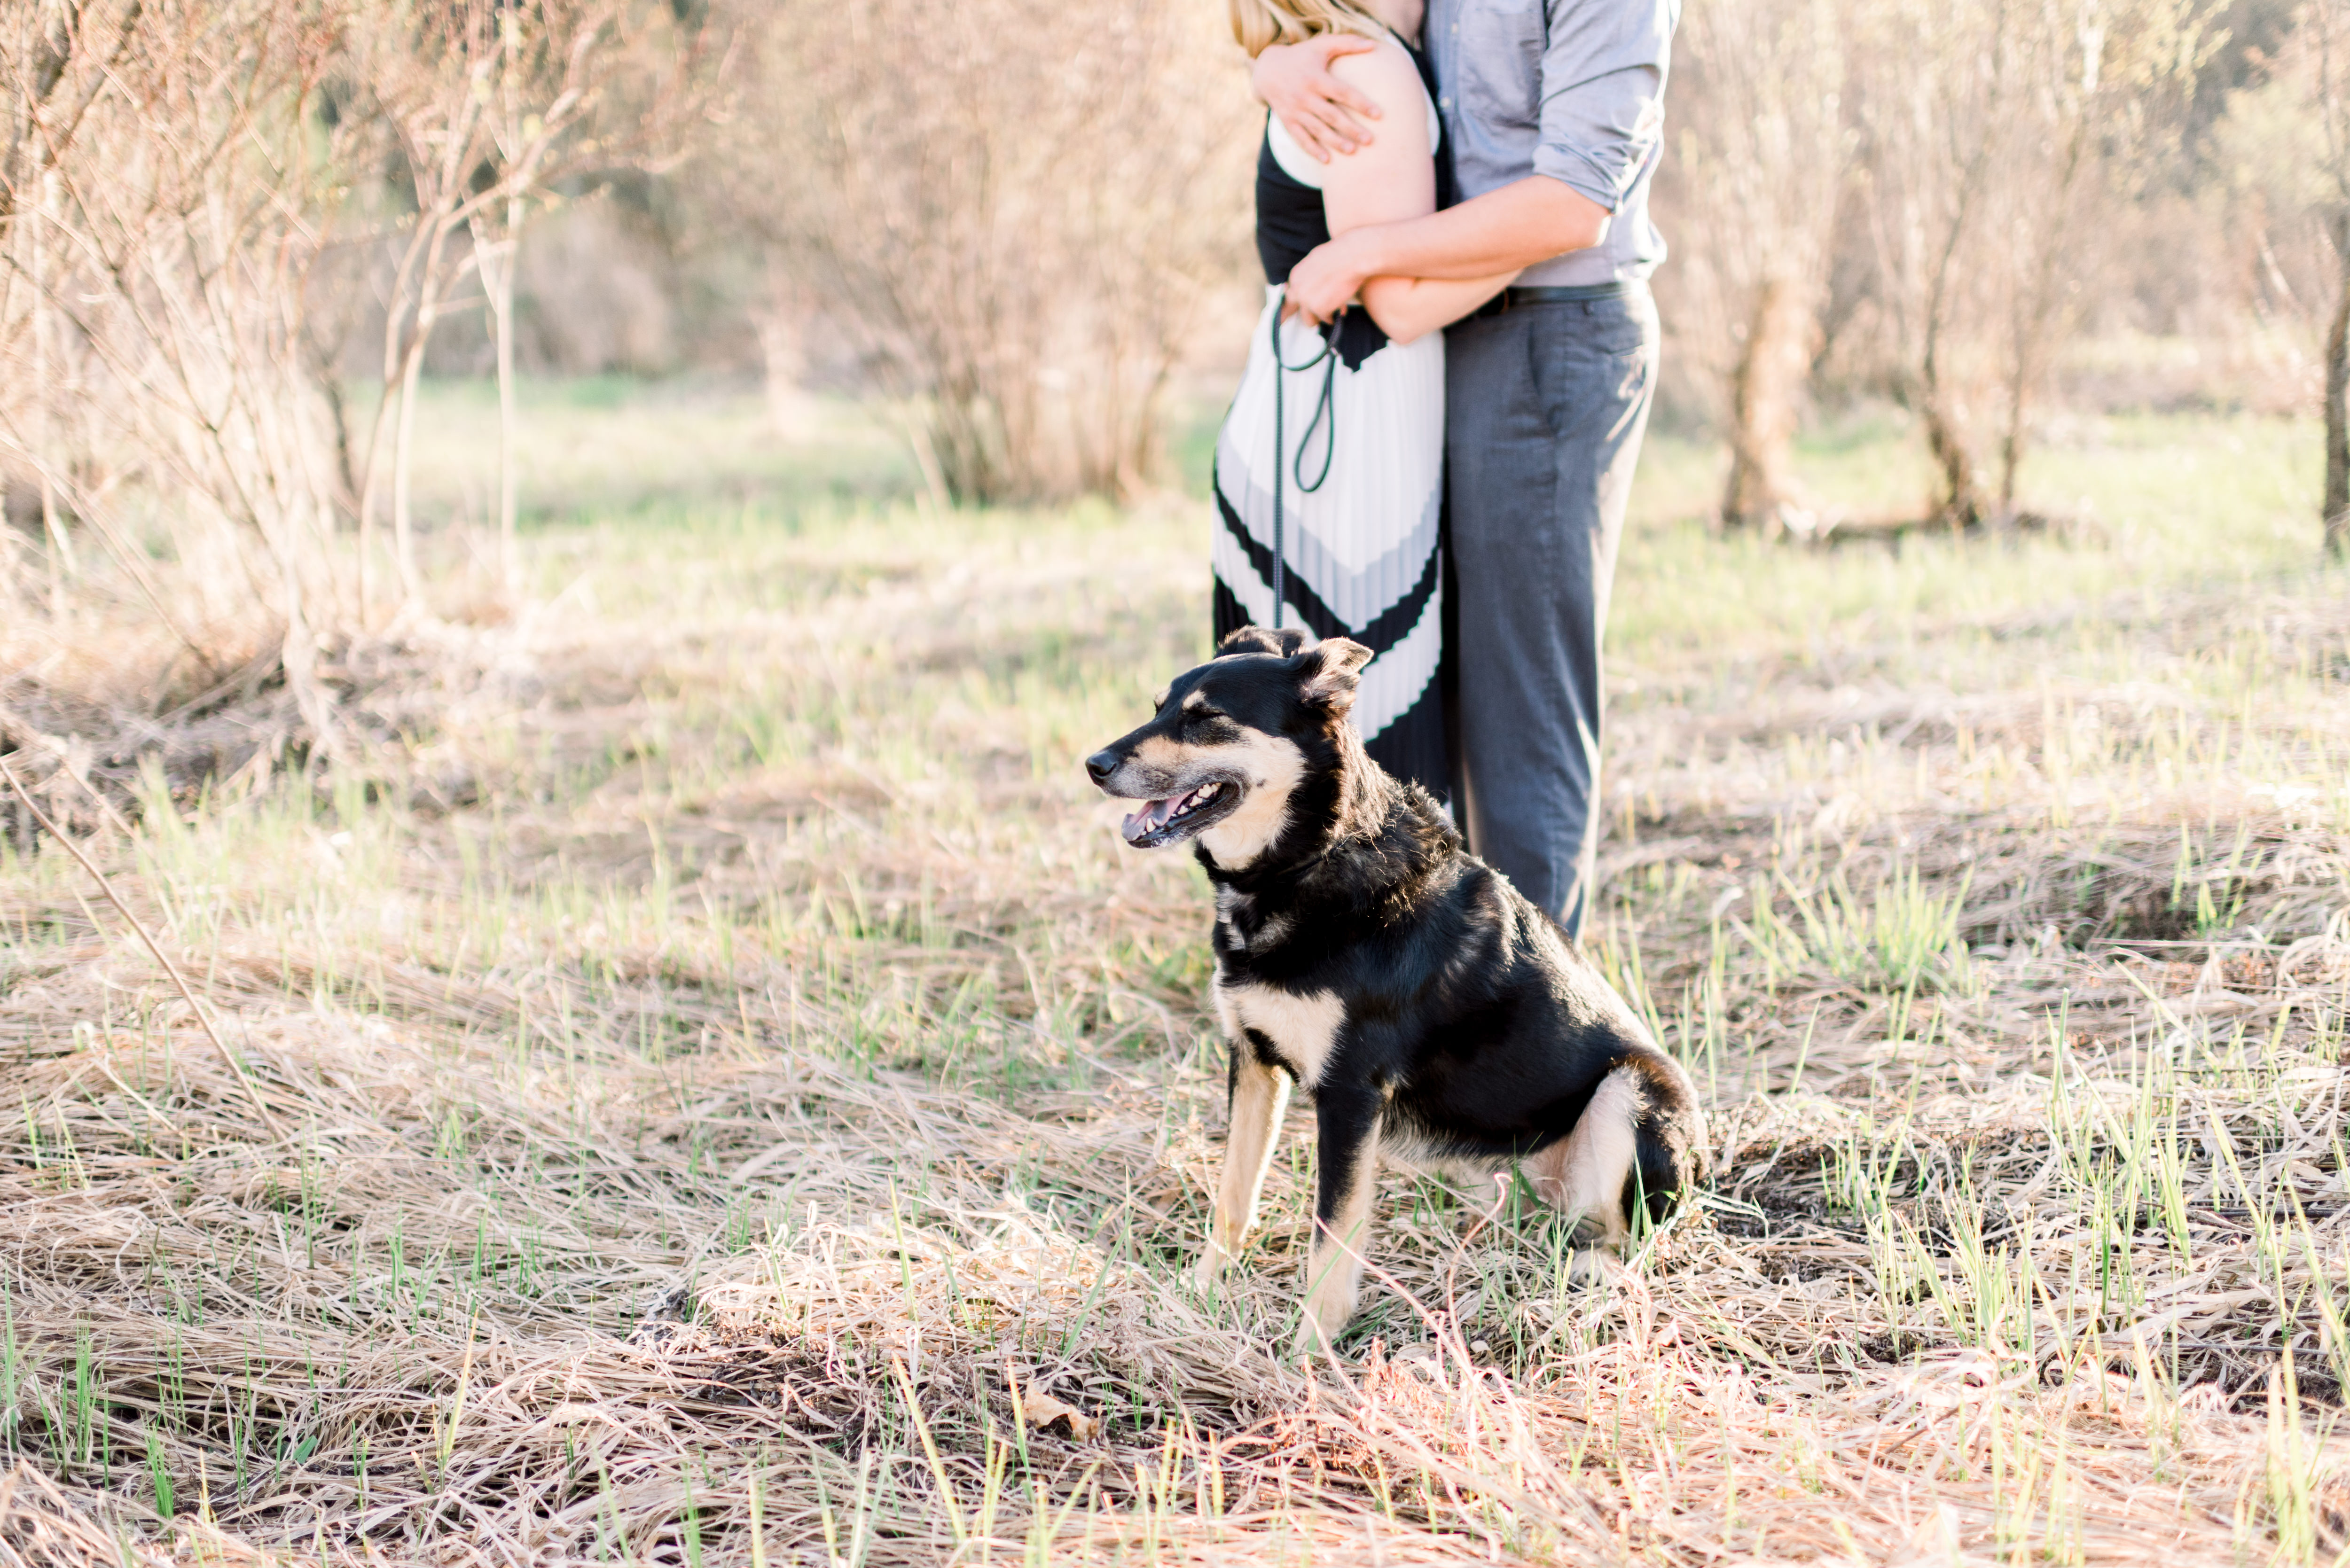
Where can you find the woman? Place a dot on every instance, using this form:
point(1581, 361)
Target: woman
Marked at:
point(1329, 469)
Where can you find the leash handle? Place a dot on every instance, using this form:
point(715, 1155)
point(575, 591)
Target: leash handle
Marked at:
point(1325, 407)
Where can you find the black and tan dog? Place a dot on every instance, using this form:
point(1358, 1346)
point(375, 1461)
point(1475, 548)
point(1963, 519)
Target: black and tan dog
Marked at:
point(1433, 1014)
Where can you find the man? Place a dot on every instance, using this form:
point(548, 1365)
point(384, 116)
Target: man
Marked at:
point(1553, 117)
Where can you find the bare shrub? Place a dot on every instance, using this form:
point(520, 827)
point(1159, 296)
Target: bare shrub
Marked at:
point(162, 197)
point(1015, 204)
point(174, 441)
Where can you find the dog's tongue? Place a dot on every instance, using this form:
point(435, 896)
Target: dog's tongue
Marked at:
point(1151, 818)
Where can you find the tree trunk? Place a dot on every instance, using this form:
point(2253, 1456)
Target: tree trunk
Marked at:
point(2027, 348)
point(432, 282)
point(782, 325)
point(1763, 391)
point(328, 377)
point(62, 564)
point(2038, 322)
point(297, 651)
point(395, 372)
point(404, 535)
point(509, 417)
point(2337, 406)
point(497, 260)
point(1962, 504)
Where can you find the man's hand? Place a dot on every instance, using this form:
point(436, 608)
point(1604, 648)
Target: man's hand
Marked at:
point(1324, 114)
point(1329, 279)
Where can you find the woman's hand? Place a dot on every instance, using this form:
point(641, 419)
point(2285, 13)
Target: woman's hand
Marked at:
point(1321, 113)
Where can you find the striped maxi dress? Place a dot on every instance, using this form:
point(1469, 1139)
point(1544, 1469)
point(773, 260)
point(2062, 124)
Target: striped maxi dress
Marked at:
point(1362, 548)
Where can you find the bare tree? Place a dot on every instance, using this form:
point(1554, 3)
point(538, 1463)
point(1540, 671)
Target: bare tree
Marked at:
point(1999, 133)
point(1764, 160)
point(1938, 88)
point(497, 237)
point(2096, 76)
point(489, 104)
point(2329, 22)
point(2067, 109)
point(1015, 204)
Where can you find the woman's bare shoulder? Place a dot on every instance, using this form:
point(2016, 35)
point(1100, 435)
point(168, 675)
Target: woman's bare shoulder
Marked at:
point(1386, 75)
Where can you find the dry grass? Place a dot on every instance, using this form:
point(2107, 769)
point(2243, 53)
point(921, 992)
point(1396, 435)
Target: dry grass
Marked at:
point(718, 1088)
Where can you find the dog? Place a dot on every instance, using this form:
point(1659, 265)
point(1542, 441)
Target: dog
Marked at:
point(1434, 1014)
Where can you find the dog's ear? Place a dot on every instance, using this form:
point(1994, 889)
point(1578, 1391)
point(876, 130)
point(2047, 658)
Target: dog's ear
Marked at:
point(1282, 644)
point(1331, 673)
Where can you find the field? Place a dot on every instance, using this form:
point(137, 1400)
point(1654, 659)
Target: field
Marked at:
point(709, 1087)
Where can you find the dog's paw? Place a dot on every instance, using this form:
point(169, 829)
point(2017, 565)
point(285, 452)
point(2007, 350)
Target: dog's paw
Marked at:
point(1592, 1269)
point(1209, 1272)
point(1324, 1316)
point(1308, 1344)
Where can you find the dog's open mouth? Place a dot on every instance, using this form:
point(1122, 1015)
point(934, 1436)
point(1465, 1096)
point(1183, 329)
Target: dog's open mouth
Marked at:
point(1181, 815)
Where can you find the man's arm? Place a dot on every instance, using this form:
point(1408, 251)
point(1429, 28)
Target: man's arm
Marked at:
point(1392, 181)
point(1519, 224)
point(1602, 115)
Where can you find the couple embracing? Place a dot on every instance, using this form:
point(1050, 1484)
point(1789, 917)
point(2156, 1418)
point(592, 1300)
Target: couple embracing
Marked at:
point(1432, 446)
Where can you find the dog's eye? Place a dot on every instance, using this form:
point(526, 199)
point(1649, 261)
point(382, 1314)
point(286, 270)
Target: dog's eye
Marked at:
point(1201, 715)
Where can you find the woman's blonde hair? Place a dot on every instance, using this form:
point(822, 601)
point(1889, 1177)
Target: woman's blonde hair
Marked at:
point(1261, 24)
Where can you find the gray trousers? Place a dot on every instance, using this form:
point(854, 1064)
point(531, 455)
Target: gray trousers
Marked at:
point(1545, 407)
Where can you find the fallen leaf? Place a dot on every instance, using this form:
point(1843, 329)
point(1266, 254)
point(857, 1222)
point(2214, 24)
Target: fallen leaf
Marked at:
point(1936, 1544)
point(1043, 1411)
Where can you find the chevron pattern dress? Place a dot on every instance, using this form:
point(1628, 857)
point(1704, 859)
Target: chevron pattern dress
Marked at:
point(1362, 547)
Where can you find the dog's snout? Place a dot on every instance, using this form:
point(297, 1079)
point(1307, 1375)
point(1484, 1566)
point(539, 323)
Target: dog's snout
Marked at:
point(1101, 764)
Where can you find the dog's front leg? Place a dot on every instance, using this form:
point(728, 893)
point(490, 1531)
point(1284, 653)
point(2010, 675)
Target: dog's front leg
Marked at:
point(1258, 1095)
point(1347, 1169)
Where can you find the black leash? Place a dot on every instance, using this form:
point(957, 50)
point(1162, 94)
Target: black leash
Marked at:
point(1323, 407)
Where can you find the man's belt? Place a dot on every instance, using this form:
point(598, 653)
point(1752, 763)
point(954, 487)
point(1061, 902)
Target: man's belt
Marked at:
point(1555, 293)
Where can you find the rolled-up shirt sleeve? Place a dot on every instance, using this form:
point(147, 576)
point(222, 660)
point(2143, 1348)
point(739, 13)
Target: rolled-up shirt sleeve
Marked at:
point(1603, 93)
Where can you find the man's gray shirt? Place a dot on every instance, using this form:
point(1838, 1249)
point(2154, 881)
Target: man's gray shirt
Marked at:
point(1571, 88)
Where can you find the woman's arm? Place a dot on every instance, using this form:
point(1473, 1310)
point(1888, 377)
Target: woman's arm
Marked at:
point(1517, 225)
point(1390, 181)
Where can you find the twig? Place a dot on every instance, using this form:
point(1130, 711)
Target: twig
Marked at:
point(187, 995)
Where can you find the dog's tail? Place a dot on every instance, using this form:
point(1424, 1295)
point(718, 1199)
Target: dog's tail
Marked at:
point(1671, 1157)
point(1638, 1149)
